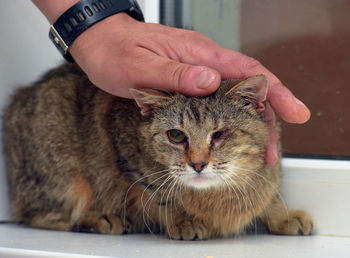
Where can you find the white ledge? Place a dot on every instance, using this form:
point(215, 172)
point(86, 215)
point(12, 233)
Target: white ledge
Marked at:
point(316, 164)
point(18, 241)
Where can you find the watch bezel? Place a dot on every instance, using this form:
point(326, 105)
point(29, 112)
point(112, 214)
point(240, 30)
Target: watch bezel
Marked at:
point(83, 15)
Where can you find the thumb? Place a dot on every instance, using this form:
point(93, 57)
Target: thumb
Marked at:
point(195, 80)
point(191, 80)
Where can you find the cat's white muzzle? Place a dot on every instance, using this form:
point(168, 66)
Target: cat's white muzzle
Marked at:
point(207, 178)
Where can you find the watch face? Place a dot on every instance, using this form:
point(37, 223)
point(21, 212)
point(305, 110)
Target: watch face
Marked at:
point(134, 4)
point(135, 10)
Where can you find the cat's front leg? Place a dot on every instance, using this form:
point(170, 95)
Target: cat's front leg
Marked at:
point(102, 223)
point(279, 219)
point(187, 228)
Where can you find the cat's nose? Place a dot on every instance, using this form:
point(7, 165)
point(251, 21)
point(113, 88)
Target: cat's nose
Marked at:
point(198, 167)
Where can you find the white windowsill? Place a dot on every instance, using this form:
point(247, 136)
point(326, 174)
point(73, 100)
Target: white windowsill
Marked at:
point(321, 187)
point(17, 241)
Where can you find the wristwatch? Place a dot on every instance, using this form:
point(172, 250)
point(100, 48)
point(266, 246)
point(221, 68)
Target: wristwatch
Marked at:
point(83, 15)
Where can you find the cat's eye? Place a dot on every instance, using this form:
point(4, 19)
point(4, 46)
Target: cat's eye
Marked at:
point(176, 136)
point(217, 135)
point(246, 102)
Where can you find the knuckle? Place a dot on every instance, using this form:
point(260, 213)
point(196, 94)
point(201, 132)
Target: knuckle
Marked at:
point(192, 35)
point(177, 74)
point(216, 55)
point(252, 63)
point(247, 65)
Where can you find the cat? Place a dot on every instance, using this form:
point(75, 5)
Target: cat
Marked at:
point(79, 159)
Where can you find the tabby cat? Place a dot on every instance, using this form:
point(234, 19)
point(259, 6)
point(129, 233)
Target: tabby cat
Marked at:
point(79, 159)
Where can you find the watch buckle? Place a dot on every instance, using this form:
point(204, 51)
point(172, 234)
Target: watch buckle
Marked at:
point(58, 39)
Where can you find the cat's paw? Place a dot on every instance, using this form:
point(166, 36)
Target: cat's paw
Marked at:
point(104, 224)
point(188, 229)
point(296, 223)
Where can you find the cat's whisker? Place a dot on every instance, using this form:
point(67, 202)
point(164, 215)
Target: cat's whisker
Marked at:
point(274, 187)
point(180, 193)
point(244, 193)
point(177, 175)
point(172, 199)
point(238, 188)
point(132, 185)
point(153, 195)
point(176, 197)
point(166, 206)
point(140, 179)
point(258, 194)
point(230, 188)
point(143, 205)
point(161, 201)
point(266, 213)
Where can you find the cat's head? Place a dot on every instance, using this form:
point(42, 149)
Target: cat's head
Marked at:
point(207, 141)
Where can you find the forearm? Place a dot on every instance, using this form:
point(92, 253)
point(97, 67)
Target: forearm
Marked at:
point(53, 9)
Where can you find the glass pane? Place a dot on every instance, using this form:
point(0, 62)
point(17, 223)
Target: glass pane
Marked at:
point(307, 45)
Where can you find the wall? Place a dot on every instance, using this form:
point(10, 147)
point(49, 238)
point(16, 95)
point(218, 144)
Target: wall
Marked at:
point(25, 53)
point(219, 20)
point(306, 44)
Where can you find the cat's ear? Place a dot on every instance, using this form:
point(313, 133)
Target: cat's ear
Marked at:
point(253, 90)
point(149, 99)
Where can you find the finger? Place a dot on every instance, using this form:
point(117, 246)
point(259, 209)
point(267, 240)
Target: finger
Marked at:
point(271, 153)
point(282, 100)
point(287, 106)
point(164, 73)
point(232, 64)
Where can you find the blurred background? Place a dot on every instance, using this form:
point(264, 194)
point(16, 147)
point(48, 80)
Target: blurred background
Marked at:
point(305, 43)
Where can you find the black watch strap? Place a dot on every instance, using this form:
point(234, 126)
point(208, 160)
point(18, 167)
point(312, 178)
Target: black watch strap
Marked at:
point(83, 15)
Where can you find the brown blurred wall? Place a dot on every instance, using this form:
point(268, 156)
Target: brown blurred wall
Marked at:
point(306, 43)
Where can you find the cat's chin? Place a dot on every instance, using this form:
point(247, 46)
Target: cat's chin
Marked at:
point(201, 182)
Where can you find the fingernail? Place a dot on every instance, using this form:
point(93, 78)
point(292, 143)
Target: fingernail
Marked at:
point(298, 102)
point(272, 157)
point(275, 154)
point(205, 79)
point(304, 112)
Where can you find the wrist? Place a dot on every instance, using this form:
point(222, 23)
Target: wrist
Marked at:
point(99, 34)
point(54, 9)
point(84, 14)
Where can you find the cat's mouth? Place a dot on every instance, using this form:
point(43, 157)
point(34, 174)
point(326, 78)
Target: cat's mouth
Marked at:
point(201, 180)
